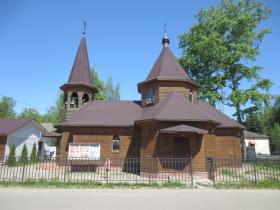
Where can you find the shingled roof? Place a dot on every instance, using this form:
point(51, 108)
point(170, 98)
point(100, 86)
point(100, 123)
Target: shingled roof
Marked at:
point(175, 107)
point(106, 113)
point(217, 115)
point(80, 73)
point(183, 129)
point(8, 126)
point(167, 67)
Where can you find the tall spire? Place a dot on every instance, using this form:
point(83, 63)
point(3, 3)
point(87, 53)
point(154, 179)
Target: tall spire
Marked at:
point(80, 72)
point(165, 39)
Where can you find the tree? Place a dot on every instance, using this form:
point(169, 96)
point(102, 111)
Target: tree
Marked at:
point(106, 91)
point(99, 84)
point(7, 105)
point(55, 113)
point(112, 92)
point(12, 156)
point(24, 155)
point(33, 156)
point(31, 113)
point(216, 49)
point(275, 134)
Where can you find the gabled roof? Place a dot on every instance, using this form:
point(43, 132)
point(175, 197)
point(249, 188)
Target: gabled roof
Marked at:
point(183, 129)
point(175, 107)
point(252, 135)
point(8, 126)
point(106, 113)
point(80, 73)
point(214, 114)
point(167, 67)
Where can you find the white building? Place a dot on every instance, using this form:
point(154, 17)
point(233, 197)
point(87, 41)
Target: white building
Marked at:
point(257, 141)
point(20, 132)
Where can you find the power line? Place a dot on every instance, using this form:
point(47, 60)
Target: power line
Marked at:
point(26, 104)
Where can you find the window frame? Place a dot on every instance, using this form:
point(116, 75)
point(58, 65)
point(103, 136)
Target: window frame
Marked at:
point(190, 95)
point(150, 95)
point(116, 138)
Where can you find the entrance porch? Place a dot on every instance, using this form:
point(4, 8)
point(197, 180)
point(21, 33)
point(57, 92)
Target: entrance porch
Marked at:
point(174, 148)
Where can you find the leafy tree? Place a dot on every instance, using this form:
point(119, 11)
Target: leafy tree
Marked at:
point(106, 91)
point(275, 134)
point(12, 156)
point(112, 92)
point(216, 49)
point(99, 84)
point(31, 113)
point(55, 113)
point(24, 155)
point(33, 156)
point(7, 106)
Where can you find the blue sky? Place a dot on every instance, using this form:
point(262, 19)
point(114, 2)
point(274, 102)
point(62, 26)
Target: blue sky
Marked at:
point(39, 39)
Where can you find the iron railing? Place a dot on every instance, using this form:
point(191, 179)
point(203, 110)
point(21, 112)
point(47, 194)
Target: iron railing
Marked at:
point(238, 171)
point(140, 170)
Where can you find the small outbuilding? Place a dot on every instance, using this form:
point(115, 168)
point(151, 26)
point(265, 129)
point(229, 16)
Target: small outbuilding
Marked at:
point(259, 143)
point(20, 132)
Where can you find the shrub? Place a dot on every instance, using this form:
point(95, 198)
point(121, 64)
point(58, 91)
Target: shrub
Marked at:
point(12, 156)
point(24, 155)
point(33, 157)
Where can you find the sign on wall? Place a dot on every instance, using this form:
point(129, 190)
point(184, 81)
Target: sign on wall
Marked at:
point(90, 151)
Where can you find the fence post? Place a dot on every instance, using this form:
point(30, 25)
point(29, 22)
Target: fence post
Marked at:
point(191, 172)
point(255, 173)
point(65, 166)
point(210, 168)
point(23, 171)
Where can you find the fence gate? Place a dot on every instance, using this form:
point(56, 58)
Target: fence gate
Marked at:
point(210, 168)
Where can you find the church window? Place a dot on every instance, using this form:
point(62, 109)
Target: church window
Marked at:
point(74, 100)
point(150, 96)
point(85, 99)
point(116, 143)
point(190, 97)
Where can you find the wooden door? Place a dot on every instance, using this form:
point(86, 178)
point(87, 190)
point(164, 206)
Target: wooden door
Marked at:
point(2, 146)
point(181, 148)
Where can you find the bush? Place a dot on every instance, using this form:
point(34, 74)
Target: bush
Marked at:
point(33, 157)
point(24, 155)
point(275, 134)
point(12, 156)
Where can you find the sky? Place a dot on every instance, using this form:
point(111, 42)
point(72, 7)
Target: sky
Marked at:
point(39, 40)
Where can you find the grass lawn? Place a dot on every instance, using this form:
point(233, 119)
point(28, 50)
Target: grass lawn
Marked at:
point(90, 185)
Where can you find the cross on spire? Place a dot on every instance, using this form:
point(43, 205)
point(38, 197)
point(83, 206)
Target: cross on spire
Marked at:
point(165, 39)
point(84, 29)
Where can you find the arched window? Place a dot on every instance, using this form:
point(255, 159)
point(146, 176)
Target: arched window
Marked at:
point(74, 100)
point(190, 97)
point(85, 99)
point(116, 143)
point(150, 96)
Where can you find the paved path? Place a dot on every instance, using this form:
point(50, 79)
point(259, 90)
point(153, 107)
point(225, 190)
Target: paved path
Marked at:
point(144, 199)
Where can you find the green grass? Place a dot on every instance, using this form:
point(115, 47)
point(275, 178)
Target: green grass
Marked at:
point(90, 185)
point(267, 184)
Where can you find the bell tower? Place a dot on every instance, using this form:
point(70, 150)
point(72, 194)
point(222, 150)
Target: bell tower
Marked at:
point(79, 90)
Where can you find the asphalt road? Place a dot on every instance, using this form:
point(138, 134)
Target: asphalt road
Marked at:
point(144, 199)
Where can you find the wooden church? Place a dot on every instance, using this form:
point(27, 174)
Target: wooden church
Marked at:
point(168, 121)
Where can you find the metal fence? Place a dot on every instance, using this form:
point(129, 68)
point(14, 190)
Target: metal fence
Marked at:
point(144, 170)
point(238, 171)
